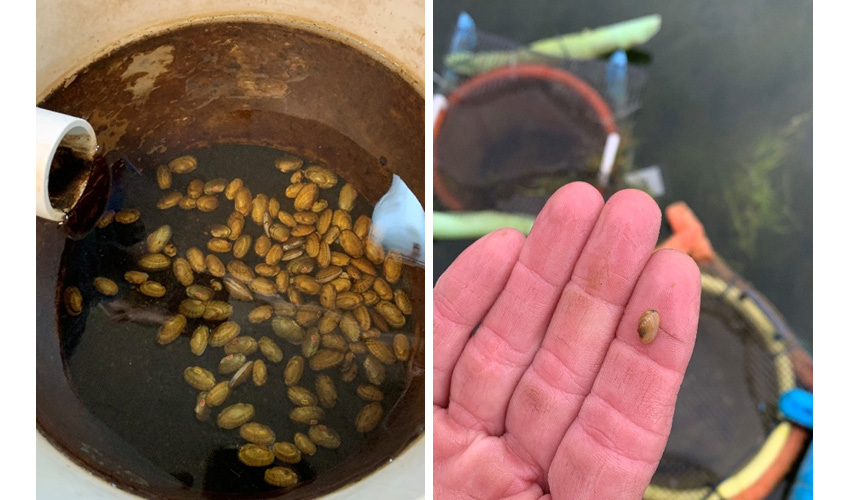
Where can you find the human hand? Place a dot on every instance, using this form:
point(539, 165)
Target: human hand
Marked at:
point(555, 395)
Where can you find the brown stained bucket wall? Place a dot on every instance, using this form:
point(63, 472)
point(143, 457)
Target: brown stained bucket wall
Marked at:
point(245, 83)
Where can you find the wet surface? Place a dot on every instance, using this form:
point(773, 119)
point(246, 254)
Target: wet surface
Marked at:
point(109, 396)
point(726, 113)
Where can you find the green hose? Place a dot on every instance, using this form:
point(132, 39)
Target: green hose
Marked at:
point(467, 225)
point(587, 44)
point(592, 43)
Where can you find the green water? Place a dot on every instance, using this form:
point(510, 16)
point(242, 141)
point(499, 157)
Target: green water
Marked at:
point(726, 114)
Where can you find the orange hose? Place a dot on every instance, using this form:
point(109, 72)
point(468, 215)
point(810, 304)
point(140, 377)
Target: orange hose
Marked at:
point(688, 233)
point(443, 193)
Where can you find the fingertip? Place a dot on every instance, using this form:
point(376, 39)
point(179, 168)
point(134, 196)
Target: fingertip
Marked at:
point(678, 271)
point(571, 196)
point(502, 245)
point(493, 255)
point(680, 260)
point(509, 234)
point(635, 201)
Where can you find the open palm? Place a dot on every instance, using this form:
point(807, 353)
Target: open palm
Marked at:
point(554, 395)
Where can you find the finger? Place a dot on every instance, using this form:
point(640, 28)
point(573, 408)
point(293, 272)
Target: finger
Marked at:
point(615, 443)
point(551, 392)
point(464, 294)
point(501, 349)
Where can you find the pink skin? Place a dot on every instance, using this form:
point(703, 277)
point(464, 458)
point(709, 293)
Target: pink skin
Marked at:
point(555, 396)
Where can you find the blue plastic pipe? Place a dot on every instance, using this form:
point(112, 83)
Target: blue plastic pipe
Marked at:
point(797, 406)
point(803, 488)
point(464, 39)
point(617, 80)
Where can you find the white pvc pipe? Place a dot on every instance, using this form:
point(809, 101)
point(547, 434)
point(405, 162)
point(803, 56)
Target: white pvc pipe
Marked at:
point(609, 154)
point(440, 103)
point(51, 131)
point(398, 223)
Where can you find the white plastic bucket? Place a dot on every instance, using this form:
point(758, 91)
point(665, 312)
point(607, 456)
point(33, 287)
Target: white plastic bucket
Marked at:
point(72, 34)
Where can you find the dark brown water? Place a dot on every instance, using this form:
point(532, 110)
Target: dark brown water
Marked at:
point(135, 387)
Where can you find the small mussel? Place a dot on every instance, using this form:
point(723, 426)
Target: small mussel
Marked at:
point(305, 444)
point(199, 378)
point(270, 349)
point(218, 394)
point(301, 396)
point(135, 277)
point(326, 391)
point(202, 410)
point(235, 416)
point(648, 325)
point(154, 262)
point(224, 333)
point(152, 289)
point(73, 301)
point(127, 216)
point(293, 371)
point(282, 477)
point(254, 455)
point(401, 347)
point(370, 392)
point(326, 358)
point(171, 329)
point(287, 452)
point(259, 373)
point(230, 363)
point(369, 417)
point(309, 415)
point(200, 292)
point(257, 433)
point(241, 345)
point(382, 351)
point(200, 339)
point(105, 286)
point(183, 164)
point(324, 436)
point(192, 308)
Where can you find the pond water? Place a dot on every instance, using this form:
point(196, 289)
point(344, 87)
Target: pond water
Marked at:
point(726, 113)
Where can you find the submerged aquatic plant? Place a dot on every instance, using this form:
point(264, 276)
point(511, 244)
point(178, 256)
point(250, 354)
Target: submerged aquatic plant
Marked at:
point(758, 196)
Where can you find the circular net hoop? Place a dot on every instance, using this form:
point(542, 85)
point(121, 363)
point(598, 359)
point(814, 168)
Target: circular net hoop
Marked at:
point(509, 138)
point(495, 51)
point(728, 439)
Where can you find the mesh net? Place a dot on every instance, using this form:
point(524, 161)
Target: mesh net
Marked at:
point(508, 144)
point(728, 404)
point(520, 125)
